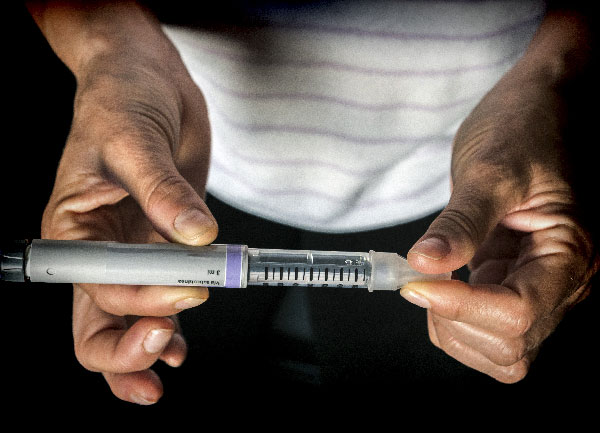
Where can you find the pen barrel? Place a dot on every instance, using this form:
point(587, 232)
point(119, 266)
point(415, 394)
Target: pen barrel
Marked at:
point(54, 261)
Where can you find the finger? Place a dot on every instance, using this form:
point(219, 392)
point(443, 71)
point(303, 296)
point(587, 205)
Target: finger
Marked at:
point(474, 359)
point(547, 286)
point(539, 217)
point(431, 330)
point(492, 271)
point(103, 342)
point(147, 171)
point(176, 352)
point(125, 351)
point(80, 208)
point(553, 267)
point(561, 240)
point(497, 348)
point(553, 221)
point(475, 208)
point(141, 387)
point(123, 300)
point(501, 243)
point(491, 307)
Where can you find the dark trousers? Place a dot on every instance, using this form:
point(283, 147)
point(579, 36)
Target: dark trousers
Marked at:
point(301, 340)
point(323, 337)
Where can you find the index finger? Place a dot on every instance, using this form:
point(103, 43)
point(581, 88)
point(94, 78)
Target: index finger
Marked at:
point(122, 300)
point(489, 306)
point(76, 217)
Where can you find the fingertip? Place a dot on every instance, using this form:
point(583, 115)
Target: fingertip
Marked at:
point(431, 248)
point(147, 390)
point(181, 298)
point(436, 255)
point(175, 353)
point(146, 300)
point(428, 255)
point(432, 295)
point(414, 296)
point(141, 387)
point(196, 227)
point(188, 303)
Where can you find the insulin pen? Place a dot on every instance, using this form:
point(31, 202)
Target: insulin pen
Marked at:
point(230, 265)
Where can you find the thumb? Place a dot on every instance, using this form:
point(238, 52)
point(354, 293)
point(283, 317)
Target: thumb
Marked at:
point(170, 203)
point(474, 210)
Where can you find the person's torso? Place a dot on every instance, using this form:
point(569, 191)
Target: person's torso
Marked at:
point(339, 116)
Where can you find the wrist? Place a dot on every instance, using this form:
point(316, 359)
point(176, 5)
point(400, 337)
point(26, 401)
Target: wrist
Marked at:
point(87, 33)
point(560, 51)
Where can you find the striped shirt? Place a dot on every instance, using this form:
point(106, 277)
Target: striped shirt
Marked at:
point(340, 116)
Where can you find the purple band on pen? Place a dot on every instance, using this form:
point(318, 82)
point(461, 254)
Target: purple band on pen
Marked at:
point(233, 270)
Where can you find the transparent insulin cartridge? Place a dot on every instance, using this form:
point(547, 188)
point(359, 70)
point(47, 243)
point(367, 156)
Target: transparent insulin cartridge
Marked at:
point(234, 266)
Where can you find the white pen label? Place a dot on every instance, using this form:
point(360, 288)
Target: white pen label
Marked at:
point(169, 264)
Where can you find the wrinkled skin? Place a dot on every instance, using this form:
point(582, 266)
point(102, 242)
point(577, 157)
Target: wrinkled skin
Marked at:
point(514, 219)
point(134, 169)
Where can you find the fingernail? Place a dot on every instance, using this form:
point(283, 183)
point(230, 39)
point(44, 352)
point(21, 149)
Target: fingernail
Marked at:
point(432, 248)
point(415, 298)
point(192, 223)
point(157, 340)
point(186, 303)
point(140, 400)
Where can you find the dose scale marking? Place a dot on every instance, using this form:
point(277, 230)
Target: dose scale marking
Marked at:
point(309, 268)
point(300, 276)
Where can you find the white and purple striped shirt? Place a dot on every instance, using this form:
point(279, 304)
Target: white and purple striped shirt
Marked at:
point(340, 116)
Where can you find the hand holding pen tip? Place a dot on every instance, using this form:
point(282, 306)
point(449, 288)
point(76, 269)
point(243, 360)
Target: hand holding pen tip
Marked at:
point(515, 222)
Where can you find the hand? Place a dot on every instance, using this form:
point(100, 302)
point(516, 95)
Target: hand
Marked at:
point(513, 216)
point(133, 170)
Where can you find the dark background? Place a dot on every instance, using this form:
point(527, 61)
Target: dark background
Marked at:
point(227, 365)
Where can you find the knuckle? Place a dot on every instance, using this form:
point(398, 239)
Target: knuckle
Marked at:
point(454, 218)
point(456, 312)
point(82, 357)
point(56, 219)
point(109, 304)
point(481, 159)
point(511, 352)
point(162, 188)
point(126, 147)
point(462, 311)
point(124, 364)
point(133, 108)
point(521, 326)
point(153, 121)
point(520, 322)
point(450, 345)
